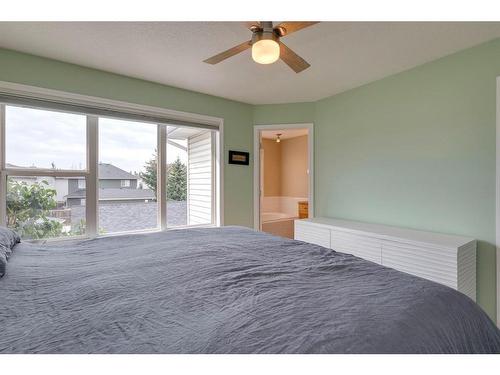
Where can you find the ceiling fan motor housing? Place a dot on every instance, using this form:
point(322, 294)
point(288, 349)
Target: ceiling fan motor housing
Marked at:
point(264, 35)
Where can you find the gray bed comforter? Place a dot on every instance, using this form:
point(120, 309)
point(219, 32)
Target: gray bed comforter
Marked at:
point(225, 290)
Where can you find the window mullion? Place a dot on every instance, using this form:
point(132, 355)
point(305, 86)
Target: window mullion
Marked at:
point(161, 188)
point(91, 179)
point(43, 172)
point(213, 162)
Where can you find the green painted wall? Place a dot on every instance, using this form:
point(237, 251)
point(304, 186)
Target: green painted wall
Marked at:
point(292, 113)
point(37, 71)
point(416, 149)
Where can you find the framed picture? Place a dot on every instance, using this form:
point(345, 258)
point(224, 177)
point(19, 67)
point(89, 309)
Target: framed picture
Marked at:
point(239, 157)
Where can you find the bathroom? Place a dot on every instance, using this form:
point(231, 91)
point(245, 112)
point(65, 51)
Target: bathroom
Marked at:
point(284, 179)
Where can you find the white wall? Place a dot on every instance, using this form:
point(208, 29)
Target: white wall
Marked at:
point(200, 176)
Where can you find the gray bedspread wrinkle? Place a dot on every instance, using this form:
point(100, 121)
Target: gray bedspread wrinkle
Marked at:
point(225, 290)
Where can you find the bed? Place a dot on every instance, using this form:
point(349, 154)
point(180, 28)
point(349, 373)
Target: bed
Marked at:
point(225, 290)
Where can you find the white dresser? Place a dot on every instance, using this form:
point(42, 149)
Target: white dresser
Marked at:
point(443, 258)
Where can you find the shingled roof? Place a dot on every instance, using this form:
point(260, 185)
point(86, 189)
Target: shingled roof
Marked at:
point(110, 172)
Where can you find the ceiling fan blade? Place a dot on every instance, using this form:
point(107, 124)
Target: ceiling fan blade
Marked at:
point(293, 26)
point(230, 52)
point(293, 60)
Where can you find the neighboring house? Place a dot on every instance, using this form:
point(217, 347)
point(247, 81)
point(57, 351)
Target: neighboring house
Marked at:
point(112, 195)
point(115, 186)
point(109, 177)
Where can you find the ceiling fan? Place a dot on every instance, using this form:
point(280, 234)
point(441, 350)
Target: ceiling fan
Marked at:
point(266, 45)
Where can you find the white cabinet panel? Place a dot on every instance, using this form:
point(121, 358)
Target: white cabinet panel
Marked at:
point(358, 245)
point(466, 272)
point(442, 258)
point(435, 264)
point(312, 234)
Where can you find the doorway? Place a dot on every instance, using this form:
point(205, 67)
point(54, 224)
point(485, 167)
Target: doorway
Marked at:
point(283, 177)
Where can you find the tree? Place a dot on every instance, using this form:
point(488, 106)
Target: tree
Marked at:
point(28, 207)
point(177, 181)
point(176, 178)
point(150, 173)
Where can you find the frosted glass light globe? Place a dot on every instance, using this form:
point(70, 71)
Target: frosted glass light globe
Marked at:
point(265, 51)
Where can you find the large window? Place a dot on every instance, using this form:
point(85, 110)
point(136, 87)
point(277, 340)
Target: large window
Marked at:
point(67, 173)
point(127, 176)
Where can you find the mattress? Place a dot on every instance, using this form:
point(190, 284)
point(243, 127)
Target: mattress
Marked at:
point(225, 290)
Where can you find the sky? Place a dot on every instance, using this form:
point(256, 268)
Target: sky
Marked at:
point(39, 138)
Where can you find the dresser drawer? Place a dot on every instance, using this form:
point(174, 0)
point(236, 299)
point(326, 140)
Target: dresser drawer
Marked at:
point(358, 245)
point(312, 234)
point(431, 263)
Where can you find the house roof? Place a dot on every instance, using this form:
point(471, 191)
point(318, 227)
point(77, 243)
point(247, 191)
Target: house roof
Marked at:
point(8, 165)
point(117, 194)
point(110, 172)
point(107, 171)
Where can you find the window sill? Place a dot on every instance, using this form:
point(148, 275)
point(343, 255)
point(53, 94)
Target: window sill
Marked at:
point(117, 234)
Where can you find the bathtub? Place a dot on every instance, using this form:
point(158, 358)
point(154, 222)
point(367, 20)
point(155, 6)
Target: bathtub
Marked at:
point(278, 215)
point(273, 216)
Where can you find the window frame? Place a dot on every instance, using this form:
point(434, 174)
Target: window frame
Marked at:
point(64, 102)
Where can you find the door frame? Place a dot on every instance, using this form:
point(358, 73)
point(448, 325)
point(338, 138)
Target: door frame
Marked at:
point(256, 165)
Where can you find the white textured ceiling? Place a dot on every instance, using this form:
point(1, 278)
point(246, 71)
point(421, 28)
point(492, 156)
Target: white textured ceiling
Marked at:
point(342, 55)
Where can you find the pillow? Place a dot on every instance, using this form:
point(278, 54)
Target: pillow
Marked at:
point(3, 262)
point(8, 239)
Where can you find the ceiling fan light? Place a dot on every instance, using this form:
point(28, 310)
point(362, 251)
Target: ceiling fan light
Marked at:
point(265, 51)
